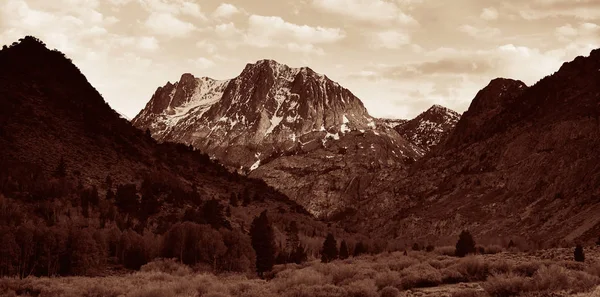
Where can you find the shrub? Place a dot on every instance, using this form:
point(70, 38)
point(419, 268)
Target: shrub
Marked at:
point(430, 248)
point(362, 288)
point(388, 279)
point(170, 266)
point(389, 292)
point(402, 263)
point(451, 276)
point(315, 291)
point(505, 285)
point(421, 275)
point(493, 249)
point(473, 268)
point(526, 268)
point(446, 251)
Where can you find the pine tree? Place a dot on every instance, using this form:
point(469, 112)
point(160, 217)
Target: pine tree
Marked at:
point(579, 254)
point(598, 242)
point(61, 168)
point(263, 242)
point(511, 244)
point(344, 250)
point(465, 244)
point(359, 249)
point(330, 251)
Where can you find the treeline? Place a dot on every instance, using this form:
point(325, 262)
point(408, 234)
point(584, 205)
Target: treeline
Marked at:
point(62, 250)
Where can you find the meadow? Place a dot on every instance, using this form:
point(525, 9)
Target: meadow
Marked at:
point(549, 272)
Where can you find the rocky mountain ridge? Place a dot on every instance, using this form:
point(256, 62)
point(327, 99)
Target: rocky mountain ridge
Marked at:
point(521, 163)
point(289, 126)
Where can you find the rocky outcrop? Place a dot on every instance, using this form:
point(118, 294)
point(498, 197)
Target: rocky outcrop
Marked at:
point(429, 128)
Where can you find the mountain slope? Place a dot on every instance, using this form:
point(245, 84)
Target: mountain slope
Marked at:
point(429, 128)
point(522, 162)
point(289, 126)
point(51, 119)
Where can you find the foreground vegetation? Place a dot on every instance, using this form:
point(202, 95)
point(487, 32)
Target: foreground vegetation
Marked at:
point(418, 273)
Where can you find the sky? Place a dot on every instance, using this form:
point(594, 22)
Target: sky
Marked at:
point(398, 56)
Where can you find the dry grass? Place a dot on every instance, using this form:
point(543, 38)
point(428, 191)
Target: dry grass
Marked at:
point(385, 275)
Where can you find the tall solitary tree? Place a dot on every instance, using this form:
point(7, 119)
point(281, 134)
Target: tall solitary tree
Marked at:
point(579, 255)
point(263, 242)
point(330, 251)
point(465, 244)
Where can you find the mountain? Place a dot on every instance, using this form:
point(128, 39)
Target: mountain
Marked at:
point(57, 132)
point(267, 108)
point(522, 162)
point(301, 132)
point(429, 128)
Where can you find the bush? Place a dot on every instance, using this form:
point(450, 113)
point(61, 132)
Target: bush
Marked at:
point(389, 292)
point(505, 285)
point(473, 268)
point(446, 251)
point(170, 266)
point(421, 275)
point(493, 249)
point(388, 279)
point(362, 288)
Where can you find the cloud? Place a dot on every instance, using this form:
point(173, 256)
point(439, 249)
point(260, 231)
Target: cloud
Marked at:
point(374, 11)
point(540, 9)
point(489, 14)
point(227, 30)
point(173, 7)
point(390, 39)
point(168, 25)
point(480, 32)
point(225, 10)
point(273, 31)
point(202, 63)
point(148, 43)
point(210, 48)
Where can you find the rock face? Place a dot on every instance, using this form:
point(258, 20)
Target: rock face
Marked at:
point(301, 132)
point(522, 162)
point(429, 128)
point(267, 108)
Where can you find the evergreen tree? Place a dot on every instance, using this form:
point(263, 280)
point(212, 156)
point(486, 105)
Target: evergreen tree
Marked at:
point(344, 250)
point(598, 242)
point(579, 255)
point(214, 214)
point(465, 244)
point(61, 168)
point(233, 200)
point(263, 242)
point(359, 249)
point(330, 251)
point(511, 244)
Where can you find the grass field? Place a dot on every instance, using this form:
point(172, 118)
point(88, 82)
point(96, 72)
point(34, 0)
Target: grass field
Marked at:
point(539, 273)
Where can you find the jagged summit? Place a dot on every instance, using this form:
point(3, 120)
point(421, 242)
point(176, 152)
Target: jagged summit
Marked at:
point(429, 128)
point(268, 103)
